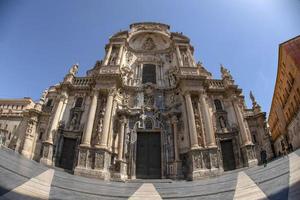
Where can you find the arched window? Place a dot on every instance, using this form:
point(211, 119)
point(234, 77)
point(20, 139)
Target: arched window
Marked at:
point(49, 102)
point(218, 104)
point(78, 102)
point(149, 73)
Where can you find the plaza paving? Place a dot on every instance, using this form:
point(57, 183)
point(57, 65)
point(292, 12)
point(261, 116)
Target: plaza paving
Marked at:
point(21, 178)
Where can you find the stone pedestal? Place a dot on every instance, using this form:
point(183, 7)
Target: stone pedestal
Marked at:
point(248, 152)
point(47, 154)
point(120, 171)
point(176, 171)
point(204, 163)
point(93, 163)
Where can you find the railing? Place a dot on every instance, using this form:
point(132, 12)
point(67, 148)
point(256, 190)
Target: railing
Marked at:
point(82, 81)
point(216, 84)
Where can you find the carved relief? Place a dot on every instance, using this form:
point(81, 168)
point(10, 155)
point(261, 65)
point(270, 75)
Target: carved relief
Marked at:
point(149, 44)
point(99, 160)
point(82, 157)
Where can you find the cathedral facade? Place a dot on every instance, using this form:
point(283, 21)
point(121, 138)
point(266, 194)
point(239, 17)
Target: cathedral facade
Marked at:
point(148, 110)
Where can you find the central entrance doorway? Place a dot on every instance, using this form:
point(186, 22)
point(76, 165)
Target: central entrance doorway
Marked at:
point(68, 153)
point(228, 155)
point(148, 158)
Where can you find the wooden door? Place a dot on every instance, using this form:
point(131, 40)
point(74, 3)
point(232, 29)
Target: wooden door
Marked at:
point(228, 155)
point(148, 162)
point(68, 153)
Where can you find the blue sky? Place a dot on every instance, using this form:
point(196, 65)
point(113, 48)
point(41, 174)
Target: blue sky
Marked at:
point(40, 40)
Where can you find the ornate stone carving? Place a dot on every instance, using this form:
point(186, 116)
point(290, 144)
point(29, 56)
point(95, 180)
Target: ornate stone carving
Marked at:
point(99, 160)
point(74, 69)
point(149, 44)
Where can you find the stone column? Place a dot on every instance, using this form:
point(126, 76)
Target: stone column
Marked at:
point(209, 131)
point(86, 141)
point(107, 118)
point(174, 122)
point(121, 138)
point(243, 130)
point(120, 55)
point(202, 124)
point(30, 133)
point(108, 55)
point(191, 60)
point(180, 62)
point(56, 118)
point(191, 121)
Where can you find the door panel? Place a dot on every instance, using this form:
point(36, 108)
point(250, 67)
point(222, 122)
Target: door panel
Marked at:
point(228, 155)
point(148, 163)
point(68, 153)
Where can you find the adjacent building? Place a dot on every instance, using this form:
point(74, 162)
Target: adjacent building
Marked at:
point(11, 114)
point(284, 114)
point(147, 110)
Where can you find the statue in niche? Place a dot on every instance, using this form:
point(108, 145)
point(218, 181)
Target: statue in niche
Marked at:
point(148, 100)
point(73, 70)
point(148, 44)
point(222, 122)
point(73, 122)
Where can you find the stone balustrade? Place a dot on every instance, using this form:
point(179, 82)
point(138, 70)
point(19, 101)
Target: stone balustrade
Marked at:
point(216, 84)
point(82, 81)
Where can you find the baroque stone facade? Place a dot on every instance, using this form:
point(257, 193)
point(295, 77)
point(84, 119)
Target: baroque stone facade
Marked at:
point(147, 110)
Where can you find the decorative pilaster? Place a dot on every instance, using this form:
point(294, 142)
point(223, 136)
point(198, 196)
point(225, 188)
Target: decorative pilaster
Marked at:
point(209, 131)
point(174, 123)
point(241, 121)
point(121, 138)
point(107, 118)
point(29, 136)
point(191, 121)
point(86, 141)
point(191, 60)
point(48, 144)
point(120, 55)
point(55, 122)
point(180, 62)
point(108, 55)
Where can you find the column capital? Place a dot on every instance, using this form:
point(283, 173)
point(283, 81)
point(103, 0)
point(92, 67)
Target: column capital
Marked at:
point(64, 95)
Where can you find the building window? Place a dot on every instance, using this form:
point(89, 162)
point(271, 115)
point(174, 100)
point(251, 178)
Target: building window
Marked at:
point(41, 135)
point(49, 102)
point(149, 73)
point(254, 139)
point(218, 105)
point(78, 102)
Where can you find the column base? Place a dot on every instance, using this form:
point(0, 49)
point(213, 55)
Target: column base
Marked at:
point(93, 163)
point(204, 163)
point(46, 158)
point(120, 171)
point(26, 154)
point(176, 172)
point(249, 155)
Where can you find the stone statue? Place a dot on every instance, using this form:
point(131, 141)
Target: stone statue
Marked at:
point(73, 122)
point(225, 73)
point(44, 94)
point(73, 70)
point(222, 122)
point(252, 98)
